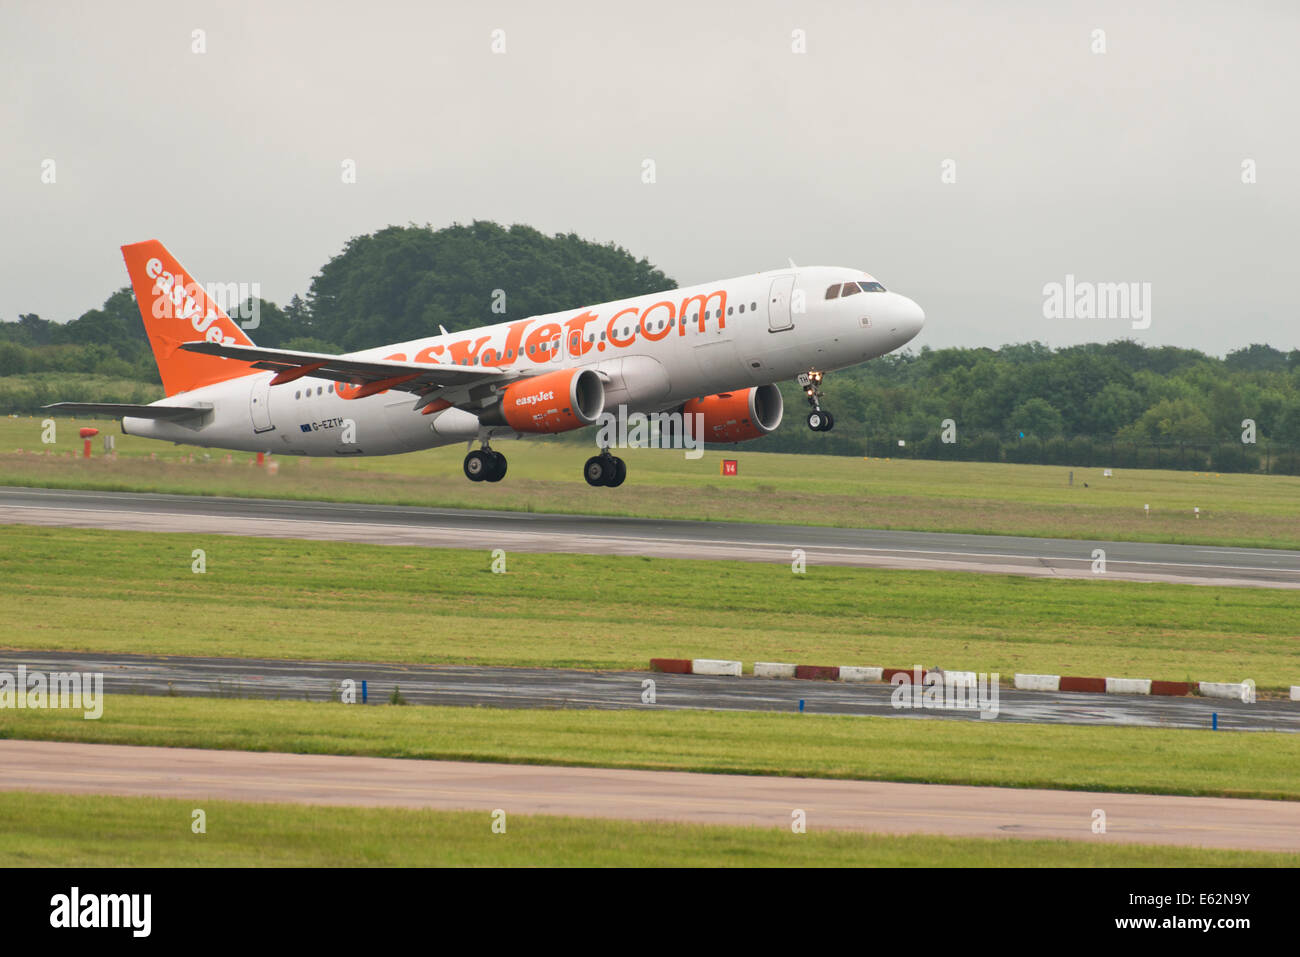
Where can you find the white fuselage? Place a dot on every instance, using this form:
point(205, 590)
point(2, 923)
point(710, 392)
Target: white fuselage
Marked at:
point(653, 351)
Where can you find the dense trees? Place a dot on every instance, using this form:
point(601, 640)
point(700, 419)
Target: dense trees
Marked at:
point(1020, 402)
point(402, 282)
point(1089, 404)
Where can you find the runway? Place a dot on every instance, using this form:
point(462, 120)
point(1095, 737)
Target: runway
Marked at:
point(604, 535)
point(718, 799)
point(568, 688)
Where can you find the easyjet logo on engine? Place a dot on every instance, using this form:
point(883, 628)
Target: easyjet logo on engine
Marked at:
point(536, 397)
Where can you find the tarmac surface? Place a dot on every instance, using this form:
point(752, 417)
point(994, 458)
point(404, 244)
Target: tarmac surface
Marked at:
point(718, 799)
point(571, 688)
point(605, 535)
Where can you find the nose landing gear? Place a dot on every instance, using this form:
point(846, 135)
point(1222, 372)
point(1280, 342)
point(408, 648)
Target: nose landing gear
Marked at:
point(485, 465)
point(819, 420)
point(605, 469)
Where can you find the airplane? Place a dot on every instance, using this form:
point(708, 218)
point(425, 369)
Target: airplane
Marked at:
point(713, 350)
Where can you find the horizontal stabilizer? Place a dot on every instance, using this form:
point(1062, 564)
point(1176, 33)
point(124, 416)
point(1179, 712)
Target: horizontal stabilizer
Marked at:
point(118, 410)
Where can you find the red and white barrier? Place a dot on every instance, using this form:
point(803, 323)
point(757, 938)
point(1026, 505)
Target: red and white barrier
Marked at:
point(854, 673)
point(1243, 691)
point(1239, 691)
point(1128, 686)
point(715, 666)
point(1038, 682)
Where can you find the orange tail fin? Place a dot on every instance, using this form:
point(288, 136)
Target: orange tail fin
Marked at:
point(175, 309)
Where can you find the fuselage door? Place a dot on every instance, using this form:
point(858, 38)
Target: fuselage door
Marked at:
point(778, 304)
point(259, 404)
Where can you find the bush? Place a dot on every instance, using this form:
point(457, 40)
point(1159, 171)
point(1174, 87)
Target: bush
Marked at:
point(1234, 457)
point(1285, 463)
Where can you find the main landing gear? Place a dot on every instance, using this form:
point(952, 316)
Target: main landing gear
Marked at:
point(819, 420)
point(605, 469)
point(485, 466)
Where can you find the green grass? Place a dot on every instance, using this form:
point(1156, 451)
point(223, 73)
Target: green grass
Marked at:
point(58, 830)
point(545, 476)
point(88, 590)
point(1145, 760)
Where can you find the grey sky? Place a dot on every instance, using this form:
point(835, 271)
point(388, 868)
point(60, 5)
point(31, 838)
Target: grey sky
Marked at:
point(1117, 167)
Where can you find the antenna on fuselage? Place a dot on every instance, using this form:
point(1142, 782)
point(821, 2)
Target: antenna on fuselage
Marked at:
point(791, 261)
point(442, 329)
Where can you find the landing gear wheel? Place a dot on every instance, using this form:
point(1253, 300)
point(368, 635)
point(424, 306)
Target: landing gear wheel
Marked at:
point(605, 469)
point(478, 465)
point(497, 470)
point(819, 420)
point(619, 474)
point(595, 471)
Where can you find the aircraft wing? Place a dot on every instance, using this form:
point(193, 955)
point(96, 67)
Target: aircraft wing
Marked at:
point(373, 375)
point(118, 410)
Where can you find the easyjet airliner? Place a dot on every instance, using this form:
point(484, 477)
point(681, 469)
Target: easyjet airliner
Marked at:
point(711, 351)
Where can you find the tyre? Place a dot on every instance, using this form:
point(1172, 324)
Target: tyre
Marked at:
point(816, 420)
point(497, 470)
point(594, 471)
point(830, 422)
point(477, 466)
point(618, 473)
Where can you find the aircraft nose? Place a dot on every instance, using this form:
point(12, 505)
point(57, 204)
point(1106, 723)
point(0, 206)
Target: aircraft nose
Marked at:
point(910, 318)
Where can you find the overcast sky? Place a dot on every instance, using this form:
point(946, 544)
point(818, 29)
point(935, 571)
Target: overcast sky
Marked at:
point(1122, 166)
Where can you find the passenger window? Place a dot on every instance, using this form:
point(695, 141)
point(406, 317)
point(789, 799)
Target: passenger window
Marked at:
point(742, 308)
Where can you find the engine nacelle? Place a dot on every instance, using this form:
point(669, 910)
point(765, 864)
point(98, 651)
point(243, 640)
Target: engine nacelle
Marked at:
point(552, 402)
point(736, 416)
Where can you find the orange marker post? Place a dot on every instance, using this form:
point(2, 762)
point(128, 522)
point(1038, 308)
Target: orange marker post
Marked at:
point(87, 433)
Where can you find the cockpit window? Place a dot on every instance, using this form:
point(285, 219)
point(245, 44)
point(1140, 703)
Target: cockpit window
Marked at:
point(871, 287)
point(850, 289)
point(832, 292)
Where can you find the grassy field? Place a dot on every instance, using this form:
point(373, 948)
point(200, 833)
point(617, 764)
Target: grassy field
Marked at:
point(1065, 757)
point(74, 589)
point(48, 830)
point(815, 490)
